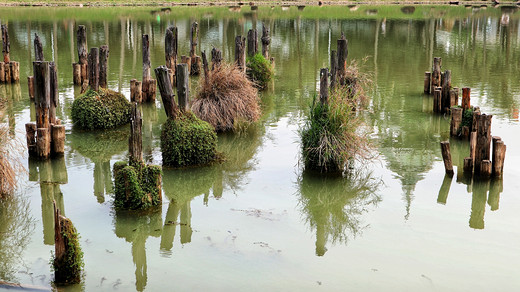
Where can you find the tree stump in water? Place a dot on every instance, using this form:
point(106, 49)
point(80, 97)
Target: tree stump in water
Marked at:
point(170, 50)
point(195, 60)
point(68, 258)
point(240, 53)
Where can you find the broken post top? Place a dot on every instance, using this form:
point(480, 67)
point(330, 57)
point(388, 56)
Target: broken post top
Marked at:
point(38, 48)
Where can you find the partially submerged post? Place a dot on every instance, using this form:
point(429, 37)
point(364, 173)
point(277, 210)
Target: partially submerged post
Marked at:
point(162, 74)
point(6, 45)
point(93, 69)
point(333, 69)
point(252, 42)
point(148, 87)
point(183, 88)
point(80, 74)
point(216, 58)
point(103, 66)
point(498, 156)
point(195, 60)
point(10, 71)
point(446, 157)
point(68, 258)
point(170, 50)
point(266, 41)
point(456, 120)
point(342, 60)
point(240, 53)
point(324, 85)
point(135, 143)
point(437, 99)
point(483, 145)
point(466, 98)
point(38, 56)
point(446, 87)
point(427, 81)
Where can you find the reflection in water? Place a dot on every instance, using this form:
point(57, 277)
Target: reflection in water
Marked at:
point(136, 227)
point(333, 206)
point(16, 228)
point(50, 174)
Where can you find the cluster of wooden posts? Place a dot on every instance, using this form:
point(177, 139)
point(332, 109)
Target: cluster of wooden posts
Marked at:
point(338, 70)
point(9, 70)
point(91, 68)
point(478, 130)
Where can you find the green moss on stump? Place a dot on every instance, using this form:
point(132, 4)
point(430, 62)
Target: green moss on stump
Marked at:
point(100, 110)
point(137, 186)
point(68, 269)
point(187, 140)
point(259, 70)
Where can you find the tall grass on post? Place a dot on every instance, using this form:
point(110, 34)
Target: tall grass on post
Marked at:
point(226, 98)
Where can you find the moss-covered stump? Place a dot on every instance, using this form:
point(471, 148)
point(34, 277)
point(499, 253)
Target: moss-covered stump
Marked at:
point(68, 258)
point(187, 140)
point(103, 109)
point(259, 70)
point(137, 186)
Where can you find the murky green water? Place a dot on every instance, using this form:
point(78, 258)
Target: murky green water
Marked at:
point(257, 222)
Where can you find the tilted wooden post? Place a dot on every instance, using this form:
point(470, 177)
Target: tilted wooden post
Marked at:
point(252, 42)
point(170, 50)
point(195, 60)
point(183, 87)
point(436, 72)
point(482, 149)
point(324, 85)
point(240, 53)
point(341, 70)
point(6, 45)
point(333, 69)
point(93, 69)
point(216, 58)
point(446, 157)
point(135, 143)
point(103, 66)
point(266, 41)
point(162, 74)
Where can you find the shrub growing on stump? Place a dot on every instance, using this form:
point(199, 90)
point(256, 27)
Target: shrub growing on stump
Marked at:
point(101, 109)
point(259, 70)
point(187, 140)
point(226, 98)
point(137, 186)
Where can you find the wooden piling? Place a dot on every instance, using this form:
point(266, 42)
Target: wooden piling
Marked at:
point(135, 91)
point(43, 143)
point(7, 72)
point(15, 71)
point(485, 168)
point(456, 120)
point(6, 45)
point(205, 65)
point(498, 156)
point(324, 85)
point(216, 58)
point(170, 49)
point(482, 148)
point(42, 93)
point(93, 69)
point(466, 98)
point(53, 91)
point(165, 88)
point(38, 48)
point(437, 99)
point(266, 41)
point(81, 37)
point(468, 165)
point(76, 73)
point(341, 69)
point(2, 72)
point(30, 84)
point(30, 134)
point(195, 60)
point(252, 42)
point(446, 157)
point(186, 60)
point(436, 72)
point(195, 66)
point(135, 142)
point(446, 86)
point(240, 53)
point(427, 81)
point(149, 88)
point(146, 58)
point(58, 139)
point(476, 114)
point(103, 66)
point(454, 97)
point(183, 88)
point(333, 69)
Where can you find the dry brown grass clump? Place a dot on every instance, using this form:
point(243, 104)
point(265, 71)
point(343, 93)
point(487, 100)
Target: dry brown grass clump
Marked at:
point(10, 164)
point(226, 97)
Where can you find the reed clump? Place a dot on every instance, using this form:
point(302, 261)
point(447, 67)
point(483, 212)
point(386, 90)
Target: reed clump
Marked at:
point(226, 97)
point(10, 164)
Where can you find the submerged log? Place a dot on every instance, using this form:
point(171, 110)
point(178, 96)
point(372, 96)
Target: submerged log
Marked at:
point(240, 53)
point(183, 88)
point(446, 157)
point(162, 74)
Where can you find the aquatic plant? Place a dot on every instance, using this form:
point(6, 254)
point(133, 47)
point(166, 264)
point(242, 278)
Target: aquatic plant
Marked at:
point(259, 70)
point(100, 110)
point(226, 97)
point(137, 186)
point(68, 269)
point(187, 140)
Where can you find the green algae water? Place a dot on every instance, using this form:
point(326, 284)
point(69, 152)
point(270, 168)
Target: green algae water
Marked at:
point(258, 221)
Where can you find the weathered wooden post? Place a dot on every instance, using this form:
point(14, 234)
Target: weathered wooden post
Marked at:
point(485, 168)
point(148, 84)
point(333, 69)
point(80, 68)
point(58, 139)
point(2, 72)
point(446, 86)
point(216, 58)
point(252, 42)
point(38, 48)
point(42, 102)
point(6, 47)
point(437, 99)
point(498, 156)
point(183, 87)
point(456, 120)
point(135, 91)
point(11, 69)
point(103, 66)
point(446, 157)
point(205, 65)
point(266, 41)
point(53, 89)
point(454, 96)
point(240, 53)
point(135, 142)
point(341, 70)
point(30, 84)
point(466, 97)
point(436, 72)
point(195, 60)
point(162, 74)
point(482, 149)
point(67, 251)
point(93, 69)
point(170, 50)
point(324, 85)
point(427, 81)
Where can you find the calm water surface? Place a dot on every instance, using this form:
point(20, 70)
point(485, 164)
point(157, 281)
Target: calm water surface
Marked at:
point(257, 221)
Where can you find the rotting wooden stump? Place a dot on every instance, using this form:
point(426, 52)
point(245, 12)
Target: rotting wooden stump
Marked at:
point(195, 60)
point(93, 69)
point(135, 142)
point(324, 85)
point(240, 53)
point(446, 157)
point(456, 120)
point(216, 58)
point(437, 99)
point(30, 84)
point(135, 91)
point(183, 88)
point(170, 50)
point(446, 87)
point(252, 42)
point(68, 258)
point(482, 148)
point(498, 156)
point(80, 69)
point(454, 96)
point(166, 90)
point(10, 70)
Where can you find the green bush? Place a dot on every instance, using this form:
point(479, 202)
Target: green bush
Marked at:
point(259, 70)
point(187, 140)
point(100, 110)
point(137, 186)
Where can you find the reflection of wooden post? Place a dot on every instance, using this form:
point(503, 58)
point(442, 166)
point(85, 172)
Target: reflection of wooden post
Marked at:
point(93, 69)
point(456, 120)
point(162, 74)
point(183, 88)
point(170, 49)
point(495, 189)
point(342, 60)
point(324, 85)
point(427, 81)
point(446, 156)
point(103, 66)
point(240, 53)
point(482, 149)
point(444, 190)
point(136, 136)
point(478, 205)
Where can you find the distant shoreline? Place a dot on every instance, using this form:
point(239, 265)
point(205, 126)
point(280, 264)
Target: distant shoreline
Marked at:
point(145, 3)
